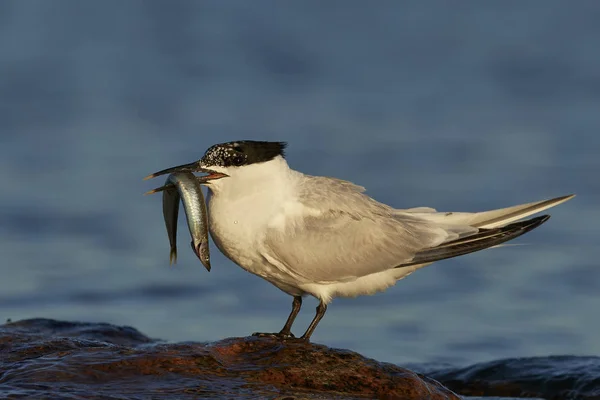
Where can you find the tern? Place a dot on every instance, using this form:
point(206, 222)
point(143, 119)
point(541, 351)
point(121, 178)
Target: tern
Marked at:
point(324, 237)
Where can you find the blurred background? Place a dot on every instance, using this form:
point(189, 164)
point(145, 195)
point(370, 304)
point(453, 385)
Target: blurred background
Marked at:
point(459, 106)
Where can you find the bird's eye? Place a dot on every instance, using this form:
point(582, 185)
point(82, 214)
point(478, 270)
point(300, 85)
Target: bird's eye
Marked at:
point(237, 160)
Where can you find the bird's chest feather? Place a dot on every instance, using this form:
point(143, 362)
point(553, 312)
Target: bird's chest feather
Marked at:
point(237, 224)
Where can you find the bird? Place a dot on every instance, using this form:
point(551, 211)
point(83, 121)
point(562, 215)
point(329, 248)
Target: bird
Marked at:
point(324, 237)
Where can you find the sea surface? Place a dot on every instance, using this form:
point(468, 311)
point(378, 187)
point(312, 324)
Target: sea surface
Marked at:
point(461, 106)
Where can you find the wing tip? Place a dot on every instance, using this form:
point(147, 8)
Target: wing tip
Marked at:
point(567, 197)
point(535, 222)
point(556, 201)
point(487, 238)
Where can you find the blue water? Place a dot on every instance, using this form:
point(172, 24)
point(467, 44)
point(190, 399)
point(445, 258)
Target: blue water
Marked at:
point(460, 106)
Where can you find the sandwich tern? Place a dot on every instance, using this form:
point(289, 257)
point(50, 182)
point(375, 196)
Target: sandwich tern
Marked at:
point(322, 236)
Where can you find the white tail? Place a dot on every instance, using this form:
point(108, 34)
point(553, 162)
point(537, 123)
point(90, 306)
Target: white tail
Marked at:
point(493, 218)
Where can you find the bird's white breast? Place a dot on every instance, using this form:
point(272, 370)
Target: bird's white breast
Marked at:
point(236, 223)
point(243, 206)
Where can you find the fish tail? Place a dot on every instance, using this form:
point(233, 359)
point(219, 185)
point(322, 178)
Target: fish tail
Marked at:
point(173, 255)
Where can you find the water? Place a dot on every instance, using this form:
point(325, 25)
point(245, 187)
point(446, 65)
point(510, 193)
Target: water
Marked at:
point(468, 107)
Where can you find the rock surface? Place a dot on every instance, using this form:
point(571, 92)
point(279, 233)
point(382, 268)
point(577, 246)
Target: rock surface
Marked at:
point(41, 358)
point(551, 378)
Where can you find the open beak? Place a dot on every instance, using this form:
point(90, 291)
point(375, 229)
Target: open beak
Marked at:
point(191, 167)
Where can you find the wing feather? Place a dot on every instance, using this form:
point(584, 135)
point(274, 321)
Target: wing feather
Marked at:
point(337, 246)
point(341, 234)
point(344, 234)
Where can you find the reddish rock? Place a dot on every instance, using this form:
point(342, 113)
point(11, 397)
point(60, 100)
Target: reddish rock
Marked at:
point(47, 358)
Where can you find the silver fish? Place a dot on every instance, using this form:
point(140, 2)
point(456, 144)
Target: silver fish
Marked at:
point(186, 186)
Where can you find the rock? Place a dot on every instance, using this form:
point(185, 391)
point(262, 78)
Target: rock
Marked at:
point(55, 359)
point(551, 378)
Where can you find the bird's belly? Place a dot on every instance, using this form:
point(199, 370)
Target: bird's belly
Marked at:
point(365, 285)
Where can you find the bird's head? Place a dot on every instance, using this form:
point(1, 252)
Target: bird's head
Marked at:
point(224, 160)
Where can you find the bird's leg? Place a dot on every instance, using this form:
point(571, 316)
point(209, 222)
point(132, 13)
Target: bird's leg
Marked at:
point(321, 308)
point(286, 332)
point(287, 328)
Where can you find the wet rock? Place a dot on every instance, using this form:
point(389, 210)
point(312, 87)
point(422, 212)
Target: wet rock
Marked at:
point(55, 359)
point(551, 378)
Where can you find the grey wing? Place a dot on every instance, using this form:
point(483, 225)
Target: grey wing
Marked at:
point(337, 247)
point(348, 235)
point(483, 239)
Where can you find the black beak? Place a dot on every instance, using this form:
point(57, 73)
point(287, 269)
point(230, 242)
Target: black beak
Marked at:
point(192, 167)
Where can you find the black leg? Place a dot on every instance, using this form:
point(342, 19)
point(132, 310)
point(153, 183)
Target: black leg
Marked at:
point(286, 332)
point(287, 328)
point(321, 308)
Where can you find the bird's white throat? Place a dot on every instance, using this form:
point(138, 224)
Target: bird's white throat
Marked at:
point(242, 205)
point(273, 177)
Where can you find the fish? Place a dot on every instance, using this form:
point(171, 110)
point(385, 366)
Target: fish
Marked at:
point(185, 186)
point(170, 204)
